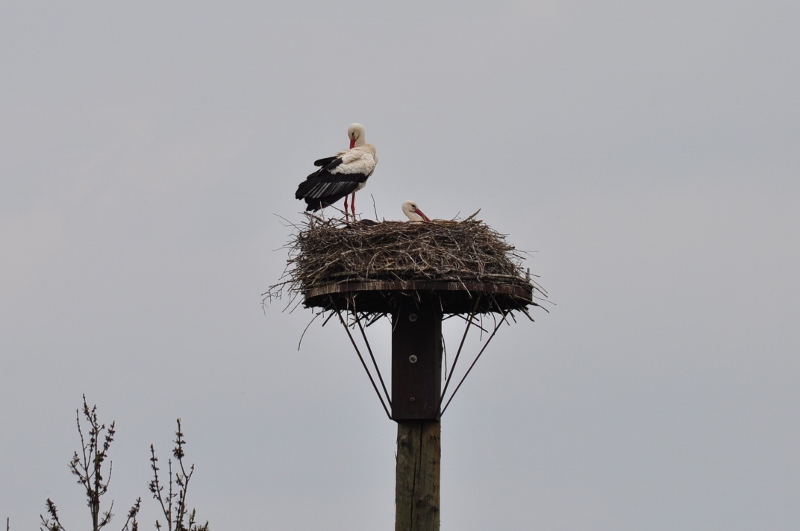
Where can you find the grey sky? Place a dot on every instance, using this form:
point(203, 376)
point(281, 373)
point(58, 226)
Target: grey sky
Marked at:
point(645, 152)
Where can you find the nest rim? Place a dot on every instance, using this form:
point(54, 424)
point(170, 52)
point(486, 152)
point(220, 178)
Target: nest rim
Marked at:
point(453, 297)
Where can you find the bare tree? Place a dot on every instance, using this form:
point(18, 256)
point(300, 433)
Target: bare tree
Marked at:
point(88, 467)
point(173, 502)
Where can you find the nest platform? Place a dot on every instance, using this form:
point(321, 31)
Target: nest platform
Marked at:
point(373, 267)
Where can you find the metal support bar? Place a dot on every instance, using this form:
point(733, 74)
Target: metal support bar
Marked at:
point(374, 363)
point(460, 346)
point(360, 357)
point(496, 328)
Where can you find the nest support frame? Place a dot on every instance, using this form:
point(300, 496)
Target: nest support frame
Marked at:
point(416, 310)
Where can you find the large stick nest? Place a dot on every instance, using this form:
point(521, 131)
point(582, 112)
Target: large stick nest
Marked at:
point(458, 260)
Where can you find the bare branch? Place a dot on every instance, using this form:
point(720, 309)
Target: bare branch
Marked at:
point(174, 506)
point(87, 466)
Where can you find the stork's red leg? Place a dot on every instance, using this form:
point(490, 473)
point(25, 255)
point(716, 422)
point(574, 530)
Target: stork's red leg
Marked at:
point(345, 208)
point(353, 205)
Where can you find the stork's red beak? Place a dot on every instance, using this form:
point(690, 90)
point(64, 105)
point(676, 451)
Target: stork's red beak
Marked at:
point(421, 213)
point(352, 143)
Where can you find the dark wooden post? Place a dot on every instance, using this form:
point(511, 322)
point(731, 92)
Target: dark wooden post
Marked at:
point(416, 390)
point(419, 452)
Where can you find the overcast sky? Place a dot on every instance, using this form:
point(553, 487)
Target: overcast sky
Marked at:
point(645, 153)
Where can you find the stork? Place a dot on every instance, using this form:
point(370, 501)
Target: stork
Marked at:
point(340, 175)
point(412, 211)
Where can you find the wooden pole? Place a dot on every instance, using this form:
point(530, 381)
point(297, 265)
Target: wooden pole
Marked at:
point(419, 453)
point(416, 391)
point(416, 361)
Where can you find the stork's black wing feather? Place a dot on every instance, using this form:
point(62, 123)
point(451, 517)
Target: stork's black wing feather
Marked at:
point(327, 160)
point(323, 188)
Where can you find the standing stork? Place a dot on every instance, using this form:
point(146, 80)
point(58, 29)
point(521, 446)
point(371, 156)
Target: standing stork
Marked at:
point(412, 211)
point(340, 175)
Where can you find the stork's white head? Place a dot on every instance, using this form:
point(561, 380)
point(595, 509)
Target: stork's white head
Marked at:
point(357, 135)
point(412, 211)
